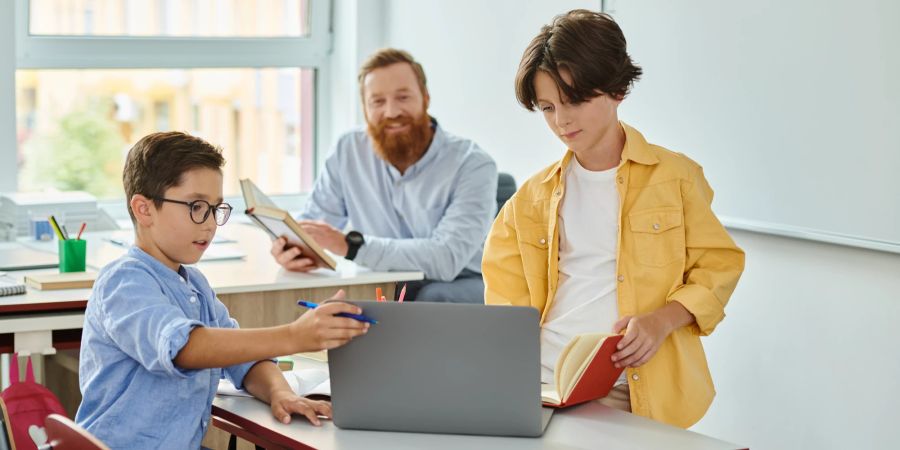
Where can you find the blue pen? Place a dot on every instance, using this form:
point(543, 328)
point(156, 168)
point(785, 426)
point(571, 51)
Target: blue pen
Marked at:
point(358, 317)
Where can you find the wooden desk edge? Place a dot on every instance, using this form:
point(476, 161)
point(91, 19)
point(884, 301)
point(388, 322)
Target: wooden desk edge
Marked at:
point(251, 431)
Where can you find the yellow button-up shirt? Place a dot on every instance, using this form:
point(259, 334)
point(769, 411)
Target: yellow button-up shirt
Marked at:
point(670, 247)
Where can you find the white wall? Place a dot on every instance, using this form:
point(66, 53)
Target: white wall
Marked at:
point(470, 51)
point(808, 355)
point(358, 31)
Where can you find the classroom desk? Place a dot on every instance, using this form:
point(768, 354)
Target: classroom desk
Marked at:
point(587, 426)
point(256, 290)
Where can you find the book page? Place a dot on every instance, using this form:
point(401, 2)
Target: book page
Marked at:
point(279, 228)
point(253, 196)
point(549, 394)
point(309, 382)
point(574, 359)
point(304, 382)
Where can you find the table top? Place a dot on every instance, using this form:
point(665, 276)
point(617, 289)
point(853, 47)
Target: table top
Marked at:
point(257, 271)
point(590, 425)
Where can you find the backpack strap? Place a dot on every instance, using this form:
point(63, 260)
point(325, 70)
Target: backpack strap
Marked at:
point(13, 369)
point(29, 372)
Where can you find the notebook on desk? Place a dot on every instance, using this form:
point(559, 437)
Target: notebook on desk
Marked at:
point(441, 368)
point(10, 286)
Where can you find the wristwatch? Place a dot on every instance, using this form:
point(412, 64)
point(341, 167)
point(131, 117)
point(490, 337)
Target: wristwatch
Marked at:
point(354, 240)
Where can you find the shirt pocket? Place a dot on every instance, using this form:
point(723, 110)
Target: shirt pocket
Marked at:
point(658, 235)
point(534, 243)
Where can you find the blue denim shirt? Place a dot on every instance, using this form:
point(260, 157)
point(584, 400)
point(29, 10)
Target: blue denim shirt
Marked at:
point(433, 218)
point(138, 318)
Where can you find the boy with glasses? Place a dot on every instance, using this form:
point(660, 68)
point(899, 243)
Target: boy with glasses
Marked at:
point(156, 339)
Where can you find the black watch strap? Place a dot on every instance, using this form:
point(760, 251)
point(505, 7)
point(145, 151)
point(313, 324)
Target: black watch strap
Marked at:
point(354, 240)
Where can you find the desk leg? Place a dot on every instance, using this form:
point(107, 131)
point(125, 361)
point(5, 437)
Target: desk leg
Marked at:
point(220, 432)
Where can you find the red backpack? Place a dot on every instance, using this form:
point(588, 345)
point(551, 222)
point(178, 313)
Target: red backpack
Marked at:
point(28, 404)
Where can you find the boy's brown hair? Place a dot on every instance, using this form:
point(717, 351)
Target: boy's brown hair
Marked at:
point(590, 46)
point(386, 57)
point(158, 160)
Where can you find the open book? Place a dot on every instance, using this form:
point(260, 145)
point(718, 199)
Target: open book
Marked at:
point(278, 222)
point(584, 371)
point(309, 383)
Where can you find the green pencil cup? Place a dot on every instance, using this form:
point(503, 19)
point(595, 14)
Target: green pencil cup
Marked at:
point(72, 255)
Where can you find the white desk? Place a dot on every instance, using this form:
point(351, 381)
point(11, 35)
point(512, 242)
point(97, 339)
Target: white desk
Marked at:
point(587, 426)
point(256, 290)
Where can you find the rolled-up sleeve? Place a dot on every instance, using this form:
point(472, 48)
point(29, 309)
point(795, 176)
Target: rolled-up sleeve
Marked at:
point(714, 263)
point(143, 322)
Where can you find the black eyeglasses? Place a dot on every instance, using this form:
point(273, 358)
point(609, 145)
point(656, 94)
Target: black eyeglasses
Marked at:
point(200, 210)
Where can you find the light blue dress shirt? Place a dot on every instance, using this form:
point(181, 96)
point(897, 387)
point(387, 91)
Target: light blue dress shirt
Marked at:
point(434, 218)
point(138, 318)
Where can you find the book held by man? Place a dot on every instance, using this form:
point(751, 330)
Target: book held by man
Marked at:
point(279, 223)
point(584, 371)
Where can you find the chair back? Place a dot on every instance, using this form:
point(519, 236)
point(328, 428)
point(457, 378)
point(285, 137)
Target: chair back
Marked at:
point(506, 187)
point(63, 434)
point(6, 436)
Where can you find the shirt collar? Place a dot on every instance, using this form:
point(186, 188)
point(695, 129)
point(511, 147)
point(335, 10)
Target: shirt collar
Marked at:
point(158, 267)
point(636, 149)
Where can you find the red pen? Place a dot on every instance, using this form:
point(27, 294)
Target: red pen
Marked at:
point(402, 293)
point(81, 230)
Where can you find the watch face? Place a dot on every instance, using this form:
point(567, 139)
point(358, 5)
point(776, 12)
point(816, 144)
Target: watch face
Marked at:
point(354, 238)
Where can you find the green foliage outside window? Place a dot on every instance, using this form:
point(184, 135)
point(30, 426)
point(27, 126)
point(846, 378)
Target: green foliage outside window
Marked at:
point(85, 153)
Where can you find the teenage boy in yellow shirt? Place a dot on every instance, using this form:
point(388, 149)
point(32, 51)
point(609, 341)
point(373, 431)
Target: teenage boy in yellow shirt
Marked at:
point(618, 236)
point(156, 339)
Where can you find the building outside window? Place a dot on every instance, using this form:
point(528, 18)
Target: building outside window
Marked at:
point(94, 76)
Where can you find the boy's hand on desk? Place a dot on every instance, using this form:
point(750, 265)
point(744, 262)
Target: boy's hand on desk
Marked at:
point(286, 402)
point(326, 235)
point(319, 328)
point(290, 257)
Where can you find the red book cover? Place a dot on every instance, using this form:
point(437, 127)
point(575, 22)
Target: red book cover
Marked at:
point(598, 378)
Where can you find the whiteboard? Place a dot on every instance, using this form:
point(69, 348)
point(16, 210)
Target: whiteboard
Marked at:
point(792, 107)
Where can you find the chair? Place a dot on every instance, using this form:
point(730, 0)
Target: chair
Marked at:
point(63, 434)
point(506, 187)
point(6, 436)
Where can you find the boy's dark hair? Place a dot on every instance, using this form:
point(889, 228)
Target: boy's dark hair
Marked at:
point(390, 56)
point(158, 160)
point(590, 46)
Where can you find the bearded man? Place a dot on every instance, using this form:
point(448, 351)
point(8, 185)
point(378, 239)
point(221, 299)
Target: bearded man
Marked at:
point(413, 196)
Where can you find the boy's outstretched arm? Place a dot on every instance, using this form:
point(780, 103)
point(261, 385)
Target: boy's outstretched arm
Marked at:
point(315, 330)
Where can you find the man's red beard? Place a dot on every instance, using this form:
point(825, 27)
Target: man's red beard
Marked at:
point(402, 149)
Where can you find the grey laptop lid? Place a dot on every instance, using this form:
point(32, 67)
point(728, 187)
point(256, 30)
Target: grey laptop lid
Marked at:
point(441, 368)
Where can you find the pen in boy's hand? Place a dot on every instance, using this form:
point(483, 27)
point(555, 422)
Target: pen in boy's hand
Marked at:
point(358, 317)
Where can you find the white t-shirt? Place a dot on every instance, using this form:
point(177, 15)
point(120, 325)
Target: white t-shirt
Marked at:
point(588, 235)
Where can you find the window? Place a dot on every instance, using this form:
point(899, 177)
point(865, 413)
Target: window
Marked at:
point(93, 77)
point(196, 18)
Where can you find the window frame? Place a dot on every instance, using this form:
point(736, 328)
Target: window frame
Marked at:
point(145, 52)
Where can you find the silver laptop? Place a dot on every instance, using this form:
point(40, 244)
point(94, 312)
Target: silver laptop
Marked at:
point(441, 368)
